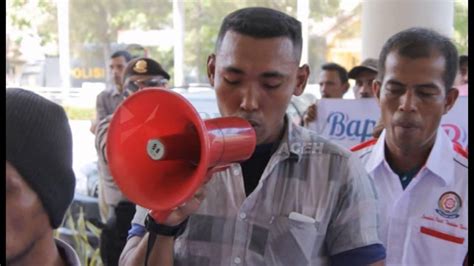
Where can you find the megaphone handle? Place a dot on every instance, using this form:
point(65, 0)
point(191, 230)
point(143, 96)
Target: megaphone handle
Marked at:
point(160, 216)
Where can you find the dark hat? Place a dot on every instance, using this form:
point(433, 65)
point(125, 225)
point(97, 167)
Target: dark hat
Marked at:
point(367, 64)
point(39, 146)
point(144, 66)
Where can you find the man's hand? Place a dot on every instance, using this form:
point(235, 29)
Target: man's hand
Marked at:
point(180, 213)
point(310, 114)
point(135, 250)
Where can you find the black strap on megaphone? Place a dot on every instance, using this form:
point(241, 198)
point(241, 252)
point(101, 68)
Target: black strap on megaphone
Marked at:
point(149, 246)
point(155, 229)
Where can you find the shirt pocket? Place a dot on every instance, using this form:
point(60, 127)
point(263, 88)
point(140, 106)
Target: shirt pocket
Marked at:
point(292, 242)
point(435, 243)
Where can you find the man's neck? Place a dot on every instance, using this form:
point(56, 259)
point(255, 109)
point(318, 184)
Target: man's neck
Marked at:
point(278, 133)
point(402, 161)
point(118, 87)
point(43, 252)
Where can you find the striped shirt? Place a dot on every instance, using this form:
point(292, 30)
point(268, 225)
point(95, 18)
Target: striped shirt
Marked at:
point(111, 192)
point(107, 101)
point(314, 200)
point(426, 223)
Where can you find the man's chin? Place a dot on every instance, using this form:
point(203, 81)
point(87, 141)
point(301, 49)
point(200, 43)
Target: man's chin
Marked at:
point(259, 139)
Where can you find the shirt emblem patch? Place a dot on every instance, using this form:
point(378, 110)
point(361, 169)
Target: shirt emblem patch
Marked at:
point(449, 204)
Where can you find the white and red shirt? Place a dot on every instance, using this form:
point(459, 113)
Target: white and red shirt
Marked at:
point(425, 224)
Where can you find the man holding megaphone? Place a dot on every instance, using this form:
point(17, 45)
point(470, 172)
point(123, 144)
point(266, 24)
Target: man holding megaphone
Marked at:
point(298, 200)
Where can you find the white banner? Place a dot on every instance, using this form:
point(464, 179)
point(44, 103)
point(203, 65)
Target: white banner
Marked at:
point(349, 122)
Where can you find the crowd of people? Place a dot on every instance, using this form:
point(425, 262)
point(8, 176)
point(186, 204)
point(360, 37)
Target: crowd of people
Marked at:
point(398, 199)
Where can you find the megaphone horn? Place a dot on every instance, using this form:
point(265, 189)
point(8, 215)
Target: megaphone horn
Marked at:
point(160, 151)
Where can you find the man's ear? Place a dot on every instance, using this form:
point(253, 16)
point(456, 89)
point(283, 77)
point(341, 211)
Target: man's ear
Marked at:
point(346, 87)
point(376, 87)
point(211, 68)
point(451, 97)
point(13, 180)
point(302, 76)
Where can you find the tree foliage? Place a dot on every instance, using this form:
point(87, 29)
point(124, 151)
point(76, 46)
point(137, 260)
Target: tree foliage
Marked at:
point(97, 23)
point(202, 22)
point(461, 27)
point(324, 8)
point(32, 18)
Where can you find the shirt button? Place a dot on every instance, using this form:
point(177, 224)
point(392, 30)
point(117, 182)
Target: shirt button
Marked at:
point(237, 260)
point(236, 171)
point(242, 215)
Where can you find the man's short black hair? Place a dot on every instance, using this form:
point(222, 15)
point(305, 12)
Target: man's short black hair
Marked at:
point(123, 53)
point(341, 71)
point(421, 43)
point(260, 22)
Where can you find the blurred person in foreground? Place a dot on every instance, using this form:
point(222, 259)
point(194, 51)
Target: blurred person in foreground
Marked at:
point(420, 175)
point(312, 205)
point(139, 73)
point(40, 181)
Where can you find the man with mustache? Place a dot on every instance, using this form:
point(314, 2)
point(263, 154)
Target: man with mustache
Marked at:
point(363, 74)
point(333, 83)
point(299, 200)
point(420, 175)
point(108, 100)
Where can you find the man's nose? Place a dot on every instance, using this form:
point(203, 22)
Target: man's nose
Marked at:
point(408, 101)
point(366, 90)
point(250, 99)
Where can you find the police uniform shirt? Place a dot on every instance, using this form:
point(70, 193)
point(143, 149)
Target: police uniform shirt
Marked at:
point(314, 200)
point(425, 223)
point(111, 192)
point(107, 101)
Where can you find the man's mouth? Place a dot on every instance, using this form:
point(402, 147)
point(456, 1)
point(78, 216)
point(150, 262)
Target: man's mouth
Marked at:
point(406, 125)
point(253, 123)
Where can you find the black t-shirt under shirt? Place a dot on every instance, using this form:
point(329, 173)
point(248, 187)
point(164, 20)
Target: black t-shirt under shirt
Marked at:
point(406, 177)
point(253, 168)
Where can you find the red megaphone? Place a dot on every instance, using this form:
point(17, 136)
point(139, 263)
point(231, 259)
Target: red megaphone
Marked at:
point(160, 151)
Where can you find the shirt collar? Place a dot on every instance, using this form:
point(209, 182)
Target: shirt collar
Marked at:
point(439, 161)
point(378, 154)
point(115, 91)
point(290, 137)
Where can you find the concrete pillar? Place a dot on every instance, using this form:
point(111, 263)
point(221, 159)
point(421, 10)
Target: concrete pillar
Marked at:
point(178, 25)
point(63, 39)
point(303, 17)
point(383, 18)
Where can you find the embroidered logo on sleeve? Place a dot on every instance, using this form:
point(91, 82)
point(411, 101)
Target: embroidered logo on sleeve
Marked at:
point(449, 205)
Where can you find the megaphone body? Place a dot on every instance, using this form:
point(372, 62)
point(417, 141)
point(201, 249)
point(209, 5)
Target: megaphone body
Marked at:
point(160, 151)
